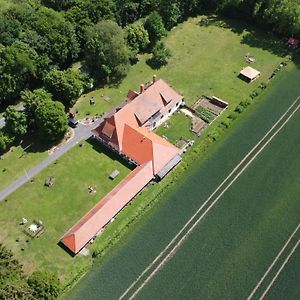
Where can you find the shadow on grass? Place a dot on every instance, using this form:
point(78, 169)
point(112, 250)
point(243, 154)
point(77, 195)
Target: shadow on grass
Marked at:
point(112, 155)
point(62, 246)
point(254, 36)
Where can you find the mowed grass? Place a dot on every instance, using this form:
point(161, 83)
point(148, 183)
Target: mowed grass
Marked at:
point(178, 126)
point(234, 245)
point(15, 162)
point(205, 61)
point(58, 207)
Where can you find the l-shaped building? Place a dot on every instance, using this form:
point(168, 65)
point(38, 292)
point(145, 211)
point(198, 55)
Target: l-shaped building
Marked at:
point(128, 131)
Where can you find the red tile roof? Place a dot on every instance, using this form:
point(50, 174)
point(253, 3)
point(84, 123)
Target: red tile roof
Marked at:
point(90, 225)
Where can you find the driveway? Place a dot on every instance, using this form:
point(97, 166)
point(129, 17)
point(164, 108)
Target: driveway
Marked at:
point(82, 132)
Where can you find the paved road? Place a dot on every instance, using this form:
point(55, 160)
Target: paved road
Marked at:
point(82, 132)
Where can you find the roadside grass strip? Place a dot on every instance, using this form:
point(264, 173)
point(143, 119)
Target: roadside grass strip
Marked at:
point(167, 253)
point(273, 265)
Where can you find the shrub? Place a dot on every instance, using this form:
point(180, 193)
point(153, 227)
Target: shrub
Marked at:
point(160, 56)
point(239, 109)
point(233, 115)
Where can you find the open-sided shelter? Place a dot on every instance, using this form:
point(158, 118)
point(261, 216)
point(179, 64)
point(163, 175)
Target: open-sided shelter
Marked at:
point(249, 74)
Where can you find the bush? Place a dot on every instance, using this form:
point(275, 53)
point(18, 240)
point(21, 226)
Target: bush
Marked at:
point(160, 56)
point(233, 115)
point(239, 109)
point(254, 94)
point(45, 285)
point(225, 123)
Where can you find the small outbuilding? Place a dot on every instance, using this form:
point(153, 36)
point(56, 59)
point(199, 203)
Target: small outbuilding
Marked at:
point(249, 74)
point(114, 174)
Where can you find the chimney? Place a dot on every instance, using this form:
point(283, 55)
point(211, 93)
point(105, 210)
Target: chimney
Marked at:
point(154, 78)
point(142, 88)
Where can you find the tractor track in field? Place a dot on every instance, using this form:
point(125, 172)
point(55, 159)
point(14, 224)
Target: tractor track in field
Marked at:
point(173, 246)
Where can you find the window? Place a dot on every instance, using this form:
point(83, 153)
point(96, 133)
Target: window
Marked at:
point(170, 110)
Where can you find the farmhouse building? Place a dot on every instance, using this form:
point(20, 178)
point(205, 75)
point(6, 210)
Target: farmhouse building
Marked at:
point(128, 131)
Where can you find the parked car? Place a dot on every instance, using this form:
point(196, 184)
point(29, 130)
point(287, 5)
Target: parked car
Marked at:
point(72, 122)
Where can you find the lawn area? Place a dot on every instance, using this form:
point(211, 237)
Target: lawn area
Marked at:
point(234, 245)
point(205, 60)
point(179, 126)
point(15, 162)
point(59, 207)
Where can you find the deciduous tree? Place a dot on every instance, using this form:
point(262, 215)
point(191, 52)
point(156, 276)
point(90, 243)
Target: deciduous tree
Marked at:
point(106, 53)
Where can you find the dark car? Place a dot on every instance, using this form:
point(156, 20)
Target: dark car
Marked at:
point(72, 122)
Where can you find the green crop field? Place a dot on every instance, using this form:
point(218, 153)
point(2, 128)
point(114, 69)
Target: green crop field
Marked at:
point(205, 61)
point(59, 207)
point(287, 285)
point(233, 246)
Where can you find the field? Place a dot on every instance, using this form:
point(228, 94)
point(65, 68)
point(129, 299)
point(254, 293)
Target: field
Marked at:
point(205, 61)
point(59, 207)
point(230, 250)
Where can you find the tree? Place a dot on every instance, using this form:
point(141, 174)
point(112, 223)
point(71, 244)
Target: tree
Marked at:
point(10, 30)
point(4, 141)
point(50, 120)
point(45, 285)
point(20, 291)
point(155, 27)
point(18, 66)
point(59, 4)
point(137, 37)
point(48, 32)
point(15, 122)
point(160, 55)
point(106, 53)
point(128, 12)
point(31, 101)
point(66, 86)
point(170, 13)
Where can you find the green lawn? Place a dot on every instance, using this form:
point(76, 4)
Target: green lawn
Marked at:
point(14, 163)
point(205, 60)
point(59, 207)
point(179, 126)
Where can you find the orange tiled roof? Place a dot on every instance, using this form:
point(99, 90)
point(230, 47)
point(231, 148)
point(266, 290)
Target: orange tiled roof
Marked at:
point(89, 226)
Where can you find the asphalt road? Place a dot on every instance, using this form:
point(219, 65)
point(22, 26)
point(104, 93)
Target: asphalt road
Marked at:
point(82, 132)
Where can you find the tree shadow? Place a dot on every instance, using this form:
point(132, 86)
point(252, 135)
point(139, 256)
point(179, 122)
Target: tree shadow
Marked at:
point(254, 36)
